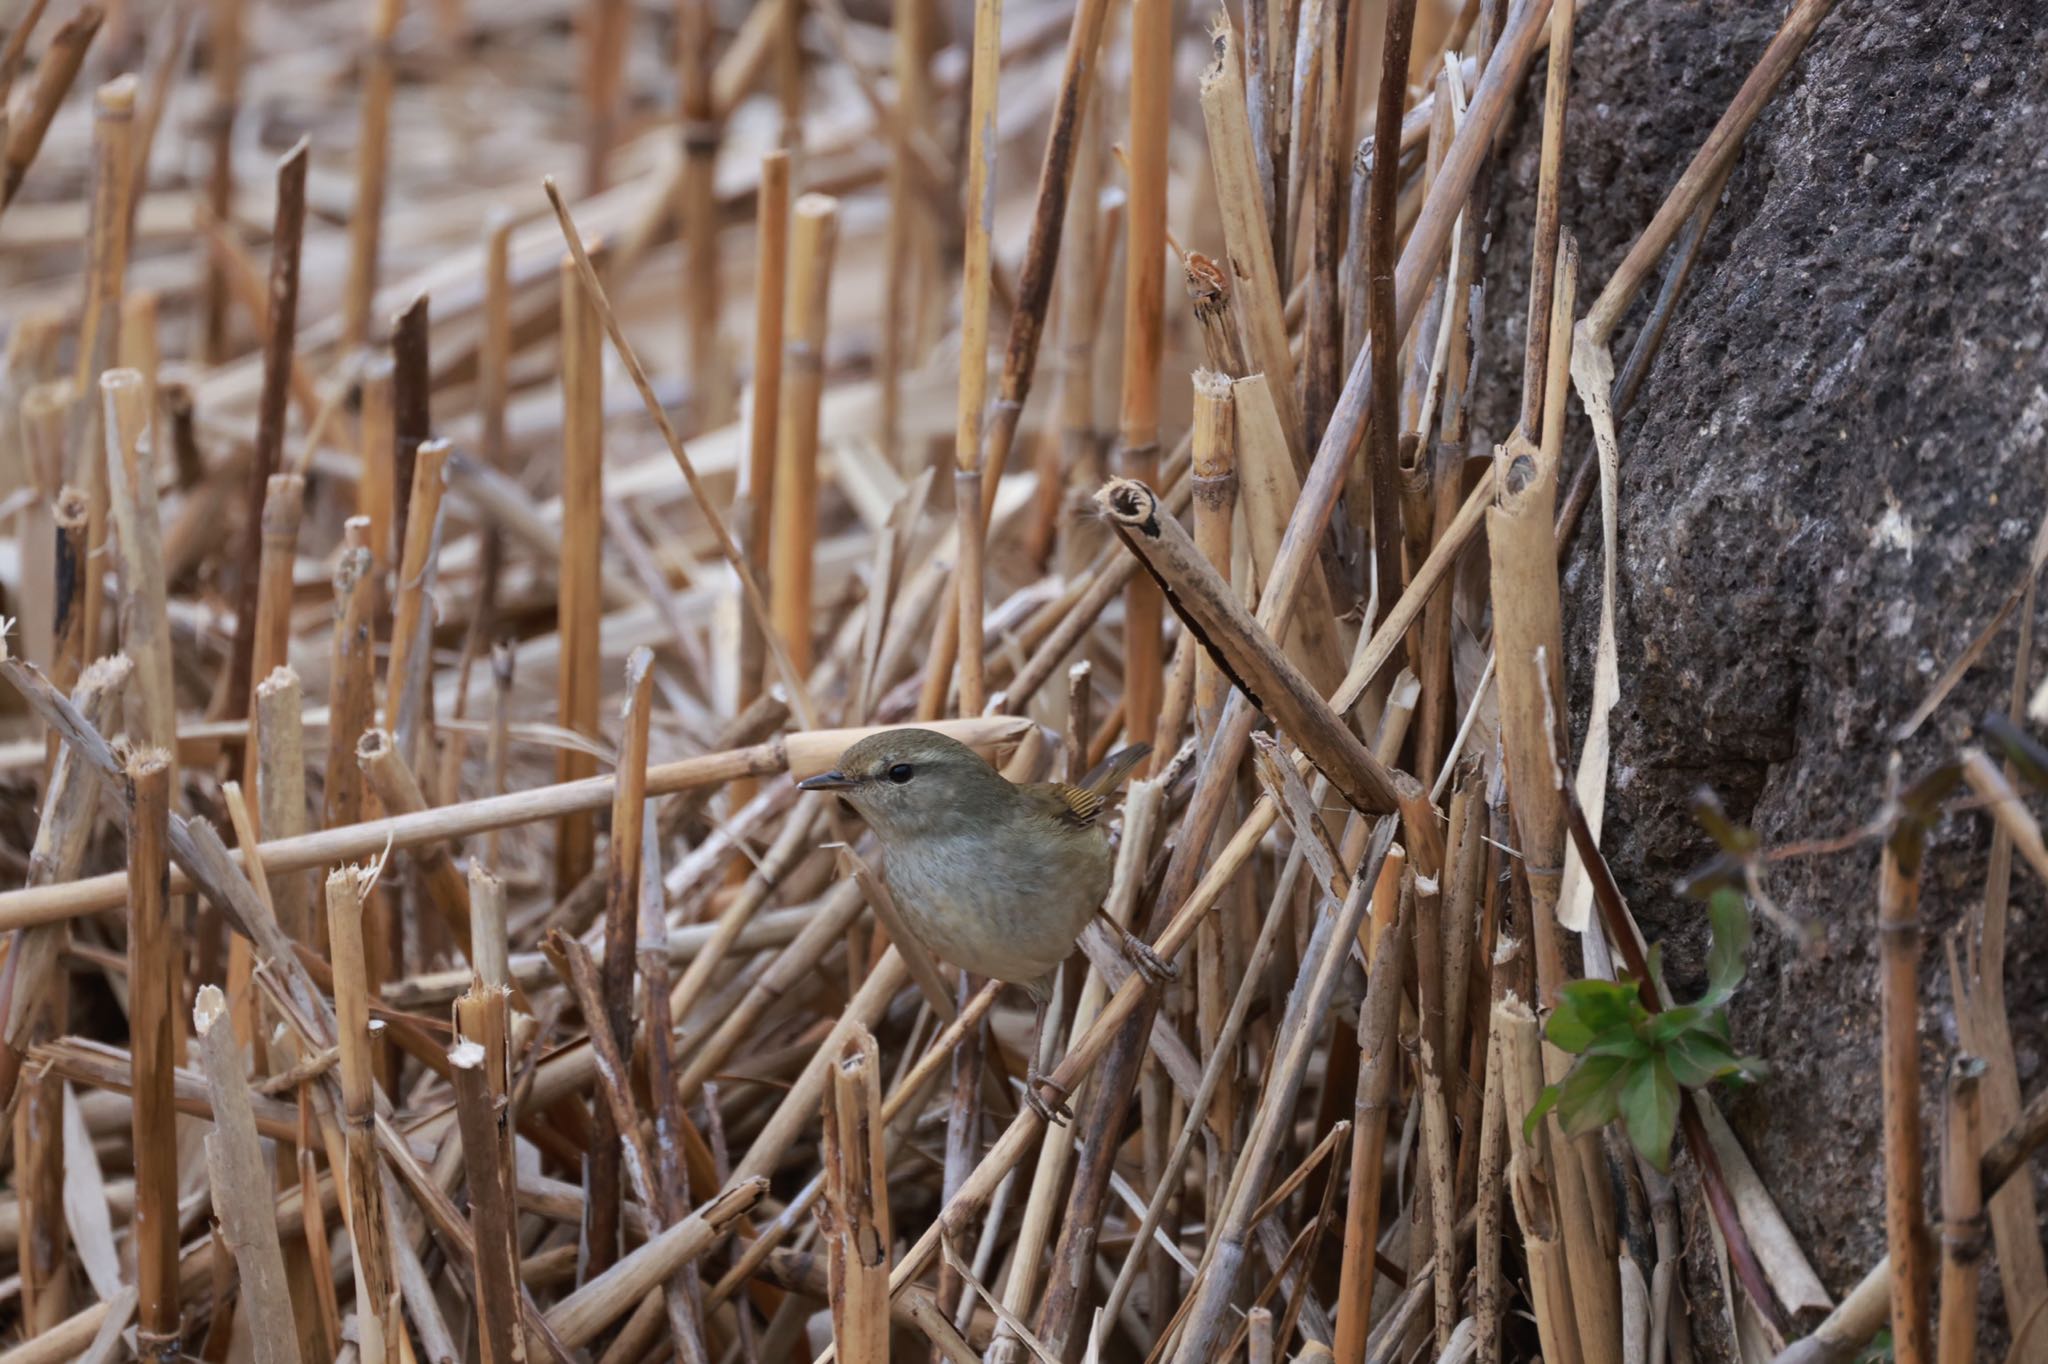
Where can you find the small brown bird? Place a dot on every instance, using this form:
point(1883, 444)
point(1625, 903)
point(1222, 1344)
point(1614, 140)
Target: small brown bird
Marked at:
point(996, 878)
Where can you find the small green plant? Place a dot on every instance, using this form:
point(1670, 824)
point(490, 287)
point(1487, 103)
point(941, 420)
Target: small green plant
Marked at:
point(1634, 1061)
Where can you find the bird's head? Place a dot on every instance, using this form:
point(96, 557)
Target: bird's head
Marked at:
point(908, 782)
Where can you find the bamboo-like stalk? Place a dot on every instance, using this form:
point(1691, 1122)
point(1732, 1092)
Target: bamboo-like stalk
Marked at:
point(281, 792)
point(857, 1201)
point(37, 1005)
point(792, 540)
point(377, 1325)
point(493, 1212)
point(1543, 238)
point(1255, 664)
point(1898, 927)
point(411, 415)
point(352, 678)
point(579, 604)
point(757, 485)
point(1328, 951)
point(1256, 291)
point(799, 754)
point(398, 791)
point(580, 1317)
point(603, 24)
point(1530, 676)
point(1269, 489)
point(1215, 502)
point(1489, 1292)
point(62, 57)
point(376, 489)
point(406, 672)
point(1384, 330)
point(152, 1016)
point(1531, 1180)
point(1144, 339)
point(697, 213)
point(602, 1214)
point(750, 588)
point(224, 42)
point(283, 504)
point(1378, 1067)
point(1964, 1230)
point(145, 626)
point(242, 1187)
point(279, 350)
point(973, 390)
point(99, 340)
point(1326, 199)
point(373, 155)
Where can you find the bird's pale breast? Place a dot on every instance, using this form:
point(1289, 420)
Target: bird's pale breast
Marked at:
point(999, 907)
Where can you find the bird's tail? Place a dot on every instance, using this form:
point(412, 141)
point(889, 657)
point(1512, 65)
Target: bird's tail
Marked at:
point(1111, 772)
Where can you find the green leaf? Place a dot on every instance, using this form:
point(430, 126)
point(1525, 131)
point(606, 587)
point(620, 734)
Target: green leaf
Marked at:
point(1591, 1093)
point(1729, 918)
point(1698, 1057)
point(1673, 1023)
point(1649, 1108)
point(1545, 1101)
point(1567, 1029)
point(1600, 1004)
point(1621, 1040)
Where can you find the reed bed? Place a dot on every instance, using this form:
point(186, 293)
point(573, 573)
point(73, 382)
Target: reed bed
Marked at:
point(417, 623)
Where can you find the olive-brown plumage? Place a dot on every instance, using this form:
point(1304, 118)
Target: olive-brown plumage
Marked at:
point(998, 879)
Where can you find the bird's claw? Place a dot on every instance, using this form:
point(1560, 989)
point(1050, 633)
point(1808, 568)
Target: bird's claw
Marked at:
point(1156, 970)
point(1056, 1113)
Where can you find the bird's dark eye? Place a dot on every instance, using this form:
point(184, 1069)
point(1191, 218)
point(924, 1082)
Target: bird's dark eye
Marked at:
point(901, 772)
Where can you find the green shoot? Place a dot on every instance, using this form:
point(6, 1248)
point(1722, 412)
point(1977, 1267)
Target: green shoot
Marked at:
point(1634, 1062)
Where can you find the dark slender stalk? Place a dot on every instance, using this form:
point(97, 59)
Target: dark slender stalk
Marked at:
point(287, 232)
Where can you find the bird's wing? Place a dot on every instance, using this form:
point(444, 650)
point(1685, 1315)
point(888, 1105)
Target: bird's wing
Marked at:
point(1077, 806)
point(1113, 769)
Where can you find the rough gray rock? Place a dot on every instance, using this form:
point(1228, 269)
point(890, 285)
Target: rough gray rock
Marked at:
point(1828, 485)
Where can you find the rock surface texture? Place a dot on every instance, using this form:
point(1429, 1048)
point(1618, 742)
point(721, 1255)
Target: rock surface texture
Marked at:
point(1829, 483)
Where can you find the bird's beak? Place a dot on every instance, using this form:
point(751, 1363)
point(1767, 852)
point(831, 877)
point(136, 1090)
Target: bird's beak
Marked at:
point(834, 780)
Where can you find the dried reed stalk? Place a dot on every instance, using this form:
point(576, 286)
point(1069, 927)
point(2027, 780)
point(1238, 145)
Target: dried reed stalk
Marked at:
point(856, 1208)
point(1329, 945)
point(802, 754)
point(579, 603)
point(281, 792)
point(974, 307)
point(814, 237)
point(1898, 927)
point(152, 1017)
point(1378, 1068)
point(1532, 1174)
point(1255, 290)
point(373, 156)
point(757, 483)
point(99, 339)
point(241, 1180)
point(406, 671)
point(493, 1211)
point(697, 212)
point(1269, 489)
point(1256, 666)
point(58, 68)
point(379, 1334)
point(583, 1315)
point(391, 779)
point(287, 233)
point(1144, 338)
point(145, 626)
point(1965, 1232)
point(352, 678)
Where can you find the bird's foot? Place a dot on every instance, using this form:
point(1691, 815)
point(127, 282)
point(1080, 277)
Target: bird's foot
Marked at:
point(1056, 1113)
point(1156, 969)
